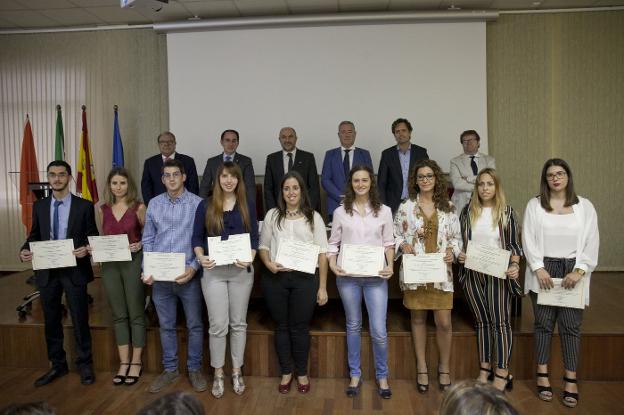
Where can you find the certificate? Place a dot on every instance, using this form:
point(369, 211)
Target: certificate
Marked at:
point(561, 297)
point(424, 268)
point(110, 248)
point(300, 256)
point(487, 260)
point(362, 260)
point(163, 266)
point(53, 254)
point(235, 247)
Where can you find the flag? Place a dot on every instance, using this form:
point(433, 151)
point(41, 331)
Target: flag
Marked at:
point(59, 143)
point(29, 172)
point(85, 185)
point(118, 155)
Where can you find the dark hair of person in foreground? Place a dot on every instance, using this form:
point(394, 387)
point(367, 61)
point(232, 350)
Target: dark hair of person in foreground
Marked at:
point(31, 408)
point(175, 403)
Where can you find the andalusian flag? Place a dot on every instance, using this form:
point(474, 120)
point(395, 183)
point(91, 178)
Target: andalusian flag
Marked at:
point(29, 173)
point(59, 143)
point(85, 184)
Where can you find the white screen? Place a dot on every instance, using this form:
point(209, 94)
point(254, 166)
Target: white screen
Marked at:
point(311, 78)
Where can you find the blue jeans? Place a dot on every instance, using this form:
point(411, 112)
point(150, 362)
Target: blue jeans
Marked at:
point(165, 295)
point(375, 291)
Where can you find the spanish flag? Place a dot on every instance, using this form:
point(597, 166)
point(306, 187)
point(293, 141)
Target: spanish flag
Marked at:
point(85, 184)
point(29, 173)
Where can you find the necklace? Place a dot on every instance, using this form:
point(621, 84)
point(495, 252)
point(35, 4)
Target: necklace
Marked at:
point(292, 214)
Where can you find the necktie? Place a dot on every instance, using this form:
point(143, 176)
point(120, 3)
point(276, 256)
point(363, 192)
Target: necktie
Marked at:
point(290, 161)
point(473, 165)
point(55, 220)
point(346, 164)
point(228, 158)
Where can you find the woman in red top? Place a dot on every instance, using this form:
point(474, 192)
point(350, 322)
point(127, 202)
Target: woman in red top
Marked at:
point(123, 213)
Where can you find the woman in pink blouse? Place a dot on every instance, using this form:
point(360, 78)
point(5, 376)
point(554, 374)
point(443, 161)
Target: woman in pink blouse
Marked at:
point(363, 220)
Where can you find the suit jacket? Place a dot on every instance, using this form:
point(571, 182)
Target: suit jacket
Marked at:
point(333, 177)
point(81, 224)
point(210, 174)
point(460, 167)
point(304, 164)
point(390, 177)
point(151, 182)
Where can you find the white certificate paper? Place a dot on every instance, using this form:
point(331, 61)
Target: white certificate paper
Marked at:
point(561, 297)
point(487, 260)
point(228, 251)
point(53, 254)
point(163, 266)
point(110, 248)
point(424, 268)
point(300, 256)
point(362, 260)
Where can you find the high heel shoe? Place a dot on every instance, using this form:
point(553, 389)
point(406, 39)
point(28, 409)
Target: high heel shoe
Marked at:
point(545, 393)
point(285, 388)
point(384, 393)
point(422, 387)
point(238, 384)
point(508, 381)
point(353, 391)
point(303, 387)
point(443, 386)
point(131, 380)
point(489, 371)
point(120, 379)
point(570, 399)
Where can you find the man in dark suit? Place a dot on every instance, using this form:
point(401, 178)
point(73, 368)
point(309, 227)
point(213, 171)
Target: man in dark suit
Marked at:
point(396, 164)
point(151, 183)
point(338, 163)
point(229, 142)
point(290, 158)
point(64, 216)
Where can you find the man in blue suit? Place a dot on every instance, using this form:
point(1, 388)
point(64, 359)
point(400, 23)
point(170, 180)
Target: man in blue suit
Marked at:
point(338, 163)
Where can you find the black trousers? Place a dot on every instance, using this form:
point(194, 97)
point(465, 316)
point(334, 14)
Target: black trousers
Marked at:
point(291, 298)
point(77, 302)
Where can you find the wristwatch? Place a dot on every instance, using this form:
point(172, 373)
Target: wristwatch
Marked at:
point(580, 271)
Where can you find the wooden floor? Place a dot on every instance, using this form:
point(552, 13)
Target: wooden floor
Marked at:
point(69, 397)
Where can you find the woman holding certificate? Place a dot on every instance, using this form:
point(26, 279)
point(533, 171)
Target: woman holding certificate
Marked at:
point(226, 288)
point(122, 213)
point(361, 231)
point(426, 223)
point(488, 220)
point(560, 239)
point(291, 294)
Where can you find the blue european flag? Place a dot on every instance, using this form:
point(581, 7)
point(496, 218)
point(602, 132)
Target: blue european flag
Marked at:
point(118, 154)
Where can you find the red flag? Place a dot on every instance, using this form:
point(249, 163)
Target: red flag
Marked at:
point(85, 184)
point(29, 172)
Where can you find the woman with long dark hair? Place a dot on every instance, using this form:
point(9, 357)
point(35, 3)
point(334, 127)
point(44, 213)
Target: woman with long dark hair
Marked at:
point(560, 239)
point(488, 220)
point(292, 295)
point(226, 288)
point(426, 223)
point(363, 220)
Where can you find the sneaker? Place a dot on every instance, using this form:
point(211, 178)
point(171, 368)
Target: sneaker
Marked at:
point(163, 380)
point(198, 380)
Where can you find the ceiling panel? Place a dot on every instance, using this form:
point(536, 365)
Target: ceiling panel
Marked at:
point(564, 4)
point(363, 5)
point(396, 5)
point(5, 24)
point(117, 15)
point(11, 5)
point(312, 6)
point(96, 3)
point(72, 17)
point(261, 8)
point(211, 9)
point(467, 4)
point(513, 4)
point(47, 4)
point(604, 3)
point(28, 18)
point(170, 12)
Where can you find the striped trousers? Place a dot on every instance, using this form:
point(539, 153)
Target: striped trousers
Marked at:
point(568, 321)
point(490, 301)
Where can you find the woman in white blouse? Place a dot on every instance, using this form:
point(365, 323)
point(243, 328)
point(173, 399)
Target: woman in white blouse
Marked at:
point(291, 295)
point(560, 239)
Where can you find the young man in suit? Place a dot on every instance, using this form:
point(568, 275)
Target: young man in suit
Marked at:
point(229, 142)
point(281, 162)
point(396, 164)
point(338, 163)
point(466, 166)
point(151, 183)
point(64, 216)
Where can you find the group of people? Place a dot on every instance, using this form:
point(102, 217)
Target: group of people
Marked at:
point(404, 210)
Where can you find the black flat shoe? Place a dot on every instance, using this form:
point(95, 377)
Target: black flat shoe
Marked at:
point(353, 391)
point(120, 379)
point(443, 386)
point(508, 381)
point(87, 377)
point(422, 387)
point(545, 393)
point(131, 380)
point(570, 399)
point(51, 375)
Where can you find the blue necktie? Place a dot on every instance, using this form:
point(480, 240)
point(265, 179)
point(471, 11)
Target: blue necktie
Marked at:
point(228, 158)
point(346, 164)
point(55, 220)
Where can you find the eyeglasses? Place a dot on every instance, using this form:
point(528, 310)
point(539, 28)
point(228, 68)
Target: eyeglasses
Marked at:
point(175, 175)
point(559, 175)
point(166, 142)
point(425, 177)
point(59, 175)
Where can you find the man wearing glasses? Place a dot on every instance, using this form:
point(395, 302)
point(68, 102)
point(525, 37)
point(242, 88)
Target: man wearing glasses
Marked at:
point(465, 167)
point(64, 216)
point(151, 184)
point(168, 228)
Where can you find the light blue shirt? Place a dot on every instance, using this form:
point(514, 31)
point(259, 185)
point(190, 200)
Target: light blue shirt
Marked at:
point(169, 225)
point(63, 213)
point(404, 158)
